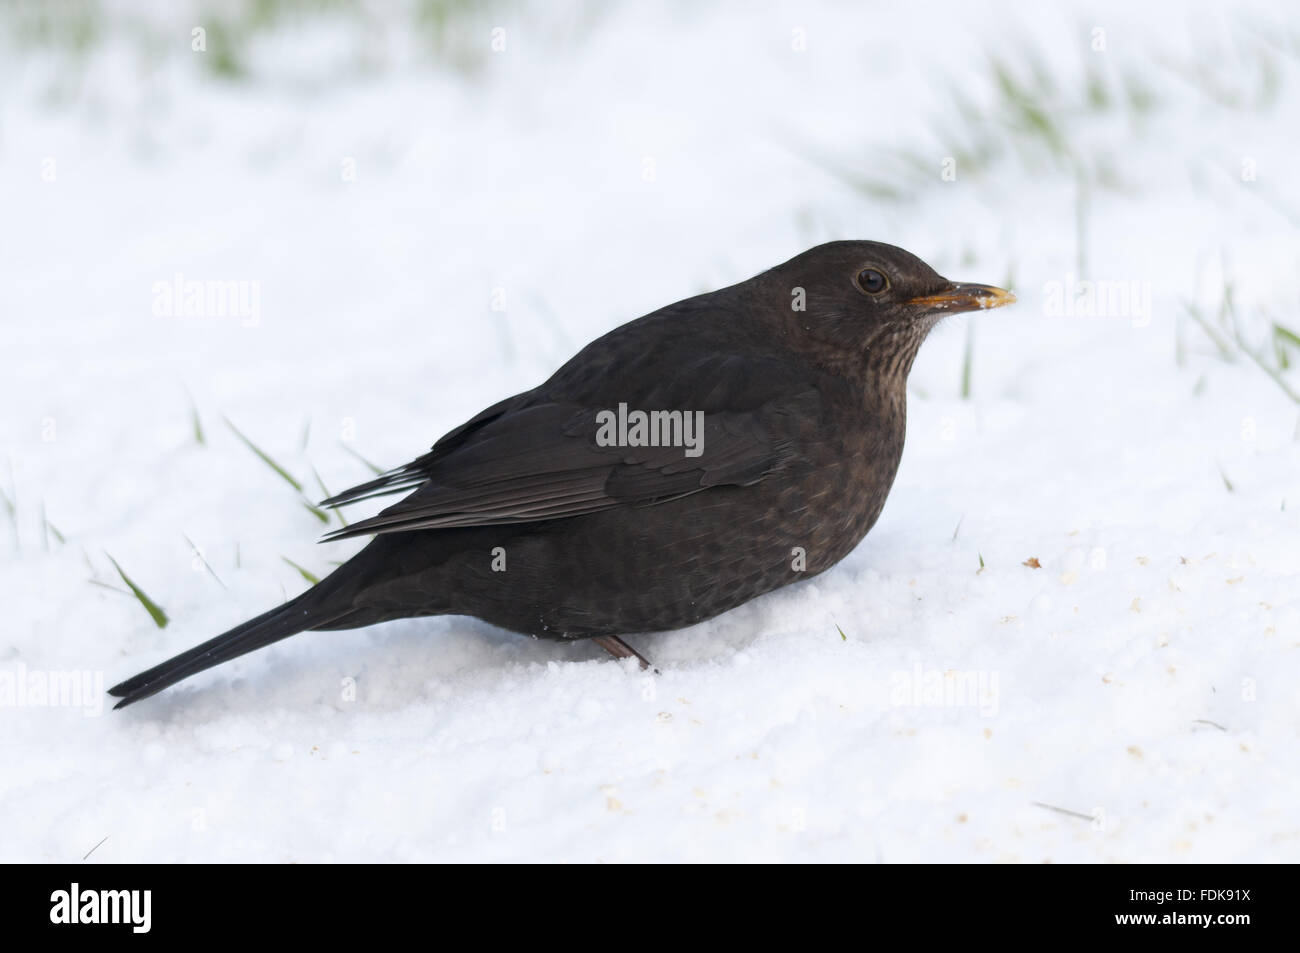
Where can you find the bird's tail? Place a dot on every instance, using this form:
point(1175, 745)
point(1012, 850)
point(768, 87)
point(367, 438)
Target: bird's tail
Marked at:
point(279, 623)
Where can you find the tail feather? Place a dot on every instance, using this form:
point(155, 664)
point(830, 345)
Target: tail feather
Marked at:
point(279, 623)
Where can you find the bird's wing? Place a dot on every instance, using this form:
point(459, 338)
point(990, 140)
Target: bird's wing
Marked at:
point(531, 458)
point(412, 474)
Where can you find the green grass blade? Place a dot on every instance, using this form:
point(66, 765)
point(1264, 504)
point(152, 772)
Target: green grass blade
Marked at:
point(155, 611)
point(966, 360)
point(1283, 338)
point(203, 559)
point(197, 424)
point(377, 471)
point(327, 494)
point(48, 529)
point(303, 572)
point(315, 511)
point(284, 474)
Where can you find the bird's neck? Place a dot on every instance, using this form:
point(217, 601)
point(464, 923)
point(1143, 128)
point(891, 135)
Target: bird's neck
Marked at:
point(882, 370)
point(889, 354)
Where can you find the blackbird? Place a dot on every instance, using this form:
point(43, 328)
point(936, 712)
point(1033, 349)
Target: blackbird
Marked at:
point(686, 462)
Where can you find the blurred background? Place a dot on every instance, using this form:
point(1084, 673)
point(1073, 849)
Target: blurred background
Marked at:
point(252, 251)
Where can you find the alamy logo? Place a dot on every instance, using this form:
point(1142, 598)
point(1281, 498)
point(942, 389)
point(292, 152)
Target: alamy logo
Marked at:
point(1073, 298)
point(654, 428)
point(179, 298)
point(103, 906)
point(932, 688)
point(21, 687)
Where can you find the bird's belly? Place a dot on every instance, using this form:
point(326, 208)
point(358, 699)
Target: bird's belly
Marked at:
point(661, 567)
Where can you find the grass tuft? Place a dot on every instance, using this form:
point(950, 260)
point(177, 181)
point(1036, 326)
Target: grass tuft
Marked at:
point(1225, 331)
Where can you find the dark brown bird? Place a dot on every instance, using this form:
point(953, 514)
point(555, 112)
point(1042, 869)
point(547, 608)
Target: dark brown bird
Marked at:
point(576, 511)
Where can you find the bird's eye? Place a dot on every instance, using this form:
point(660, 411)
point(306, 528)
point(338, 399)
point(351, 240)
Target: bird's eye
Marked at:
point(871, 281)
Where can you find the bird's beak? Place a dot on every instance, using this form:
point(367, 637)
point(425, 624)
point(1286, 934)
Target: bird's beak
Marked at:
point(964, 297)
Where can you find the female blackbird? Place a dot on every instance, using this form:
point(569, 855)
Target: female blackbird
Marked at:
point(684, 463)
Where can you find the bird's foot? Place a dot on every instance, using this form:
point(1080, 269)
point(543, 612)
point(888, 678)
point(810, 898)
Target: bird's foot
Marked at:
point(620, 650)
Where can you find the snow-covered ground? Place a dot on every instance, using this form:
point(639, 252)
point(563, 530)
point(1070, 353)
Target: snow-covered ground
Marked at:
point(424, 224)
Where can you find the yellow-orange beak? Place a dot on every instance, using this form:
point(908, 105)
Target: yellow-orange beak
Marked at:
point(964, 297)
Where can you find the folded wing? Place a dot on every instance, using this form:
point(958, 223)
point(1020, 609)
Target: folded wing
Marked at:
point(530, 458)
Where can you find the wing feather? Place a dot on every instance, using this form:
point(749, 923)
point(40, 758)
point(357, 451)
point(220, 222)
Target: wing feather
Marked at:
point(530, 458)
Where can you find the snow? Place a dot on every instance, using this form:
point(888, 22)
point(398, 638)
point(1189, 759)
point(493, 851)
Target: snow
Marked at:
point(1141, 677)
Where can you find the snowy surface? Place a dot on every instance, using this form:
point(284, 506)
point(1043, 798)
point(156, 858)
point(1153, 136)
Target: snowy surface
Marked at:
point(1144, 677)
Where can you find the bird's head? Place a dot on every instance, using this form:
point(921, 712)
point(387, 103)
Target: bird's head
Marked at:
point(850, 302)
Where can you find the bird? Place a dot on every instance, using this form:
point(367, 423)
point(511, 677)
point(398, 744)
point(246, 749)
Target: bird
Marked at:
point(684, 463)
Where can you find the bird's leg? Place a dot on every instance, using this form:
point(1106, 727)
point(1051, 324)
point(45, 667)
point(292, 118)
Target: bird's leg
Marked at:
point(619, 649)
